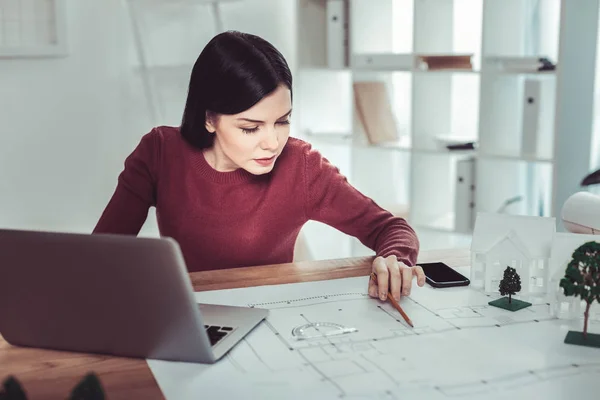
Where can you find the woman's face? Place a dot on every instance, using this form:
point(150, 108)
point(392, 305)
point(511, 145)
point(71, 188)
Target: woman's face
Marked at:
point(252, 139)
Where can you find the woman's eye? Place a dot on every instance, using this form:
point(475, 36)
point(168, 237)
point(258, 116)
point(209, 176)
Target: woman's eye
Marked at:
point(249, 131)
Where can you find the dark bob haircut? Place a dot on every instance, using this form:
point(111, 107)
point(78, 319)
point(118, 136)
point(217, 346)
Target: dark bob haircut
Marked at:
point(232, 73)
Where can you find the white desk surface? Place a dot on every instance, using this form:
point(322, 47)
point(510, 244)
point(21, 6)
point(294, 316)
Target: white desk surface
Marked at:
point(460, 348)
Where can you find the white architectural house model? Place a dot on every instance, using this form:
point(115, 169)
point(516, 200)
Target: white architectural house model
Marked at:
point(521, 242)
point(567, 307)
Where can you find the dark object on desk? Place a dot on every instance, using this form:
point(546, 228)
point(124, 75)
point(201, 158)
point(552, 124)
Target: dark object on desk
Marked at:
point(440, 275)
point(12, 390)
point(591, 179)
point(89, 388)
point(461, 146)
point(510, 285)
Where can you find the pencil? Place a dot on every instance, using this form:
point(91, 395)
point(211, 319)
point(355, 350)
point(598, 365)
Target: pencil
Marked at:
point(394, 303)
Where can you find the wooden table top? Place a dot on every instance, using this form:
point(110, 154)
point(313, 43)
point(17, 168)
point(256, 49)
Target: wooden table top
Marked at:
point(47, 374)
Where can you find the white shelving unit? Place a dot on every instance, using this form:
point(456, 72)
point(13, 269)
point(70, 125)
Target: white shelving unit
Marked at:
point(575, 108)
point(595, 137)
point(505, 168)
point(416, 175)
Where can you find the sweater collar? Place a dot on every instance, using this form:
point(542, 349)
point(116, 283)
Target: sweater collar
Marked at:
point(211, 174)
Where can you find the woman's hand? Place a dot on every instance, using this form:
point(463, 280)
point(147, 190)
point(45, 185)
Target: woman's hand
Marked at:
point(396, 274)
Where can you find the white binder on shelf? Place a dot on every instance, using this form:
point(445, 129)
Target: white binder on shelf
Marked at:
point(464, 206)
point(337, 33)
point(517, 64)
point(530, 118)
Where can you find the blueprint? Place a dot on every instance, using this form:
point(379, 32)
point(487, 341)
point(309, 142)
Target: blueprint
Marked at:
point(460, 348)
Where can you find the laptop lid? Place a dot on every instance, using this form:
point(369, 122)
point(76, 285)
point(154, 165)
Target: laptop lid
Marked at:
point(110, 294)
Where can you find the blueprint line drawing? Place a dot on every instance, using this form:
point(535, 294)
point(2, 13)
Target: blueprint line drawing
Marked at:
point(460, 348)
point(322, 297)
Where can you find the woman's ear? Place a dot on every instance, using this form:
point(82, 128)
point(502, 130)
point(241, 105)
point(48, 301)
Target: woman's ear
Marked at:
point(211, 122)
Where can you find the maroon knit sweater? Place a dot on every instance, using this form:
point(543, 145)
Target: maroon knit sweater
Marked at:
point(233, 219)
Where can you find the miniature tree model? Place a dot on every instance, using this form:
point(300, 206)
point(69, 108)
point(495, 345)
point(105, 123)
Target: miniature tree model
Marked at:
point(510, 285)
point(582, 279)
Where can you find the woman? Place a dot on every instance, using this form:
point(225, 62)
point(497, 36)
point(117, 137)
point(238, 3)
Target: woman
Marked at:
point(233, 189)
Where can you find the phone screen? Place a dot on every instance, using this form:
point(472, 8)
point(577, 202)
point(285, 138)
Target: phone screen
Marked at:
point(439, 274)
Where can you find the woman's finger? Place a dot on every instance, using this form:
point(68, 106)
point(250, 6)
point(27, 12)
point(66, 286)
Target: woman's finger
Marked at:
point(372, 288)
point(395, 277)
point(420, 274)
point(406, 279)
point(380, 268)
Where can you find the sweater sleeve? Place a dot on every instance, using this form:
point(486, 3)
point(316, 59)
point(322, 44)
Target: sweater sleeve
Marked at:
point(135, 193)
point(332, 200)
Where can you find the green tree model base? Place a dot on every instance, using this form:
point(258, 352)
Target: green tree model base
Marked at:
point(592, 339)
point(514, 305)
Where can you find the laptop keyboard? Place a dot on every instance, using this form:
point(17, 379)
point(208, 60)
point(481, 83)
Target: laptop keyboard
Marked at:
point(216, 333)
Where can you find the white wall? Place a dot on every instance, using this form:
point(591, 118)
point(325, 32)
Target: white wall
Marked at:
point(63, 130)
point(595, 147)
point(67, 124)
point(575, 107)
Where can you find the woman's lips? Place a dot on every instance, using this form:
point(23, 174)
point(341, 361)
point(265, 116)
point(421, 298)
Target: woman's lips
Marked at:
point(265, 161)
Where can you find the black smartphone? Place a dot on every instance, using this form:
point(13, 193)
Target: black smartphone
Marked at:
point(440, 275)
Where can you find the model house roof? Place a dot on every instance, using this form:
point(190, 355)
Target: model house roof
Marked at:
point(507, 242)
point(534, 233)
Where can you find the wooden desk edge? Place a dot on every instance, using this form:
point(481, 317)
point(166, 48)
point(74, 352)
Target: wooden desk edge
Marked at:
point(308, 271)
point(47, 374)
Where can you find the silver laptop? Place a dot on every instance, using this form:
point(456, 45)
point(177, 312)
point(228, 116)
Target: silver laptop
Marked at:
point(110, 294)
